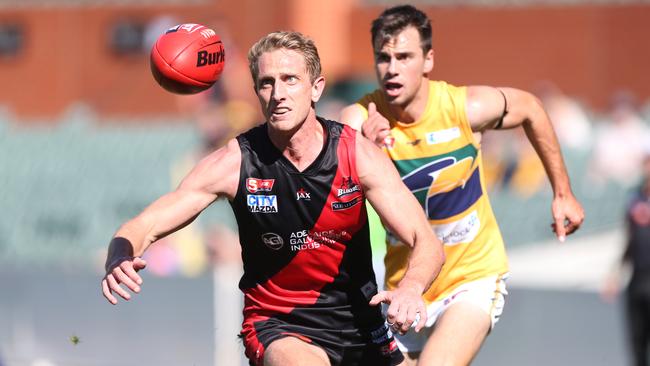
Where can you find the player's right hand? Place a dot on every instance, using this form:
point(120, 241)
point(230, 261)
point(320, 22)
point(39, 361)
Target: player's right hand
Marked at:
point(568, 215)
point(405, 308)
point(122, 271)
point(376, 128)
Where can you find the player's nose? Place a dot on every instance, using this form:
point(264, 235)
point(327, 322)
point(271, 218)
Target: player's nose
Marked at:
point(392, 66)
point(279, 92)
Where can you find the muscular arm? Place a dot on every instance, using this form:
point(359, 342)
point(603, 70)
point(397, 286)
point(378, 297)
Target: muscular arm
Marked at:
point(485, 106)
point(402, 214)
point(215, 176)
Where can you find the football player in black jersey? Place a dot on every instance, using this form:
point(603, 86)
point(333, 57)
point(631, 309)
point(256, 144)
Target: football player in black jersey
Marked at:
point(298, 185)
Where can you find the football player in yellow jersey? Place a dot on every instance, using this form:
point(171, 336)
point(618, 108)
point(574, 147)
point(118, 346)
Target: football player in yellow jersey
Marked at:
point(432, 132)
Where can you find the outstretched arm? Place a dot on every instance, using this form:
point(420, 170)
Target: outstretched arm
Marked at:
point(485, 110)
point(402, 215)
point(216, 175)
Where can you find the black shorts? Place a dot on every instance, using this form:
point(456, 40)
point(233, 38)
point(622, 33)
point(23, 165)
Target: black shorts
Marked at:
point(376, 347)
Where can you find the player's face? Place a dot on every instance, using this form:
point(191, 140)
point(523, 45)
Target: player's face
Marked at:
point(284, 88)
point(402, 66)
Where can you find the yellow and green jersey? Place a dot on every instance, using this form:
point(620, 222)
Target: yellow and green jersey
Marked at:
point(440, 162)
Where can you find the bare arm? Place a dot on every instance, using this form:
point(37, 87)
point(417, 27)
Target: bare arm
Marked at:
point(401, 213)
point(485, 107)
point(215, 176)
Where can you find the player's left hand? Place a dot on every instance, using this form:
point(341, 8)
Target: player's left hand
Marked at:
point(568, 215)
point(376, 128)
point(405, 306)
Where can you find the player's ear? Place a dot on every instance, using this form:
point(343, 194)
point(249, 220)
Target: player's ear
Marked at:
point(428, 61)
point(317, 88)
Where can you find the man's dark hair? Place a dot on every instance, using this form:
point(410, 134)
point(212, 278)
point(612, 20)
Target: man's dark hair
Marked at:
point(394, 20)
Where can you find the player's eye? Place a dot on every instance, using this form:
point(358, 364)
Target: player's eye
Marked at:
point(291, 79)
point(403, 56)
point(382, 57)
point(264, 83)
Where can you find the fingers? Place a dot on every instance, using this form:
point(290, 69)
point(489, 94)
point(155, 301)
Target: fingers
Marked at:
point(114, 286)
point(400, 316)
point(393, 315)
point(559, 228)
point(376, 127)
point(575, 221)
point(405, 318)
point(571, 227)
point(372, 109)
point(376, 132)
point(107, 292)
point(128, 280)
point(131, 271)
point(124, 273)
point(568, 215)
point(381, 135)
point(567, 226)
point(382, 296)
point(421, 317)
point(139, 263)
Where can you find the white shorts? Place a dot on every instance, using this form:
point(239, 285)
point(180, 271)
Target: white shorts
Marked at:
point(487, 293)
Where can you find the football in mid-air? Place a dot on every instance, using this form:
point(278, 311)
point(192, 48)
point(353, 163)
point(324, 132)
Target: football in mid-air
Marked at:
point(187, 59)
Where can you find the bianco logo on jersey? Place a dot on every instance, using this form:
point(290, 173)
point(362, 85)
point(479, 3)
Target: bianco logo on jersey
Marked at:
point(301, 240)
point(338, 206)
point(254, 185)
point(348, 186)
point(462, 231)
point(346, 191)
point(305, 239)
point(272, 240)
point(301, 194)
point(439, 137)
point(262, 203)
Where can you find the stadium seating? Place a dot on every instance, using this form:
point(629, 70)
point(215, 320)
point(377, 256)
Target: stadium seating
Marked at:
point(66, 189)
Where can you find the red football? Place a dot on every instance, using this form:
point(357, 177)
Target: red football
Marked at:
point(187, 59)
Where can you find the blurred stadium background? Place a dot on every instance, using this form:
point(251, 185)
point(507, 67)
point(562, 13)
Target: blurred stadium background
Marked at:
point(87, 139)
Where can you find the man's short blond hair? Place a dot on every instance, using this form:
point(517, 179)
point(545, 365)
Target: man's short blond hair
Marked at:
point(294, 41)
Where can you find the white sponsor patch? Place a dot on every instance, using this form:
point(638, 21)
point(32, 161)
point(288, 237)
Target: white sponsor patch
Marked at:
point(262, 203)
point(439, 137)
point(461, 231)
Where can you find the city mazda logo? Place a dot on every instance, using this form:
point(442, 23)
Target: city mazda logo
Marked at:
point(273, 240)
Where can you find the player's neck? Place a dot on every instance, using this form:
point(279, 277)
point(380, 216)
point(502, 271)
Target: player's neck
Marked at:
point(412, 110)
point(302, 146)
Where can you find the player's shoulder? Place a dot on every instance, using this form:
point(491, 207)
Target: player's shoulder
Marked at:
point(376, 96)
point(354, 115)
point(444, 89)
point(217, 173)
point(227, 155)
point(254, 133)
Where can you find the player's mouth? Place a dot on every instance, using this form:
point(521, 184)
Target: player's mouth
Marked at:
point(393, 89)
point(279, 112)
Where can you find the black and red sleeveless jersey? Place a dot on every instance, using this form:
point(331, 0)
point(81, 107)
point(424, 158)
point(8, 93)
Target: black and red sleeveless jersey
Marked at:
point(304, 236)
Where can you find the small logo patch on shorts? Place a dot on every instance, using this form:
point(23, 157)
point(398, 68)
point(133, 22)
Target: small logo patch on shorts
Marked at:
point(389, 348)
point(369, 290)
